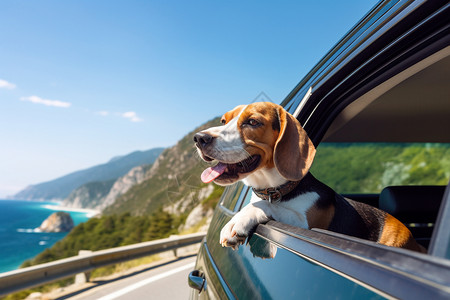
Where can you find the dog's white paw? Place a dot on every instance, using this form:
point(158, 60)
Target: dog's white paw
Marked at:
point(230, 238)
point(238, 229)
point(243, 223)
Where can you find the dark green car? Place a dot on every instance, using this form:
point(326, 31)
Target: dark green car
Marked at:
point(377, 107)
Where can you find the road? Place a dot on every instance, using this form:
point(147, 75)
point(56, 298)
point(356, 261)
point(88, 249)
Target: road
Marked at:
point(168, 281)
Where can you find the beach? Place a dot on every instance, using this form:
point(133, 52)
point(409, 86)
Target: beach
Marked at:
point(57, 207)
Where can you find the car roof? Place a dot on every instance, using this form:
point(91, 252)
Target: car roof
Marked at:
point(383, 72)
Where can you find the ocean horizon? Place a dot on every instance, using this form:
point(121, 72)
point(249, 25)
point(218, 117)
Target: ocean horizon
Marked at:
point(19, 239)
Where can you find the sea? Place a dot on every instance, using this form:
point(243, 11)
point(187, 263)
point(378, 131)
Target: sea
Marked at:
point(19, 240)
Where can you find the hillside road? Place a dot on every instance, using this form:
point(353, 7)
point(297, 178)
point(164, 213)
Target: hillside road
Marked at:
point(168, 281)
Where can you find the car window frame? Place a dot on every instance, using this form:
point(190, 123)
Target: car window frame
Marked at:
point(231, 205)
point(440, 239)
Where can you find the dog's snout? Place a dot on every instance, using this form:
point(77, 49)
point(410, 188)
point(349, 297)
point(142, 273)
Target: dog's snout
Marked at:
point(202, 139)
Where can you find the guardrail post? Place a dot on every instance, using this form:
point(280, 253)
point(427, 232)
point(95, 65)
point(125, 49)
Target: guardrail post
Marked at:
point(173, 236)
point(82, 278)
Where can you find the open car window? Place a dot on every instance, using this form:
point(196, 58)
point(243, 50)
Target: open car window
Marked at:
point(357, 168)
point(407, 180)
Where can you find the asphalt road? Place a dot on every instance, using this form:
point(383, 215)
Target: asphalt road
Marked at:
point(168, 281)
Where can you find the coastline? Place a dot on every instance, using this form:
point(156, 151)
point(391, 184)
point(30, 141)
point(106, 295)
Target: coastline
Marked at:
point(89, 212)
point(18, 222)
point(58, 207)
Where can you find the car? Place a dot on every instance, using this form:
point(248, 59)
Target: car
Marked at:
point(377, 108)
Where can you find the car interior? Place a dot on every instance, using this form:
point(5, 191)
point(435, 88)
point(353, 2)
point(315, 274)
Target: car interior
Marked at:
point(411, 107)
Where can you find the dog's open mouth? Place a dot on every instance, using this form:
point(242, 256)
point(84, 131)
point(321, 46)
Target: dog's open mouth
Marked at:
point(225, 170)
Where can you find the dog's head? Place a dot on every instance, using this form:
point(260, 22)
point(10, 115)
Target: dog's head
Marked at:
point(254, 139)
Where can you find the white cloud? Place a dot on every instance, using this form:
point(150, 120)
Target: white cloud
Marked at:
point(132, 116)
point(103, 113)
point(47, 102)
point(6, 85)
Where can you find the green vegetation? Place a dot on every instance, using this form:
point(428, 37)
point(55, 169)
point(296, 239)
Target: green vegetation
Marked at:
point(369, 167)
point(108, 232)
point(102, 233)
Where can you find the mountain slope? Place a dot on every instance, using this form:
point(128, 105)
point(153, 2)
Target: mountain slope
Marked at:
point(100, 194)
point(173, 181)
point(61, 187)
point(88, 195)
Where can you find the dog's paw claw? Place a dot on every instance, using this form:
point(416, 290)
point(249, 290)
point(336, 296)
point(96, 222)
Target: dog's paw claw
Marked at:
point(233, 241)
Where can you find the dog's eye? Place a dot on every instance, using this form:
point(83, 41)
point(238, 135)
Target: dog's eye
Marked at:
point(253, 122)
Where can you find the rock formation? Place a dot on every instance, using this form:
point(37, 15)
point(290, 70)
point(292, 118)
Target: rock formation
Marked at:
point(123, 184)
point(57, 222)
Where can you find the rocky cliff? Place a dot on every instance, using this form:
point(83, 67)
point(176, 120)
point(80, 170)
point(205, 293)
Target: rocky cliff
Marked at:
point(99, 195)
point(136, 176)
point(89, 195)
point(57, 222)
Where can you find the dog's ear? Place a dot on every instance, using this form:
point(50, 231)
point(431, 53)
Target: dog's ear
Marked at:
point(294, 151)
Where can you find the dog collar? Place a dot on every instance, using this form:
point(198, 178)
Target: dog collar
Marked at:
point(275, 194)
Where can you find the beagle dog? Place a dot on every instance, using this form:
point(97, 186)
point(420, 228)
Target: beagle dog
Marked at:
point(266, 147)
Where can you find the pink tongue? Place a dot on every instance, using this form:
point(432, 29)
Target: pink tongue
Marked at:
point(212, 173)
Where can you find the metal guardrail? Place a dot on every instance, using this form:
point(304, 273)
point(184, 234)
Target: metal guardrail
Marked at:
point(21, 279)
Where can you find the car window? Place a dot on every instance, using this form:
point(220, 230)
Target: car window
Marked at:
point(369, 167)
point(231, 196)
point(246, 199)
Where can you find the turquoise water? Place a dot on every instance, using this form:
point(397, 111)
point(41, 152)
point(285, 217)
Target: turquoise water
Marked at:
point(18, 241)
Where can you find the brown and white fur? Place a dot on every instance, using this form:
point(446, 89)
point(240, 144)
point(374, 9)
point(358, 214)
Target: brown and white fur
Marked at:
point(265, 147)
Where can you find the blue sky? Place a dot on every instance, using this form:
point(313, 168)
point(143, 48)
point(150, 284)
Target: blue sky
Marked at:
point(84, 81)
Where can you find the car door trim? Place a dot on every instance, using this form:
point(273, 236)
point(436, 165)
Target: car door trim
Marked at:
point(365, 262)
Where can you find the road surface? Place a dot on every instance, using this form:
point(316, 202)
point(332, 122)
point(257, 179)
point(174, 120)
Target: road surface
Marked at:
point(168, 281)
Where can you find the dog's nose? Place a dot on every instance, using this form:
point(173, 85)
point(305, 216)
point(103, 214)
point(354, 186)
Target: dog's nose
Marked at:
point(202, 139)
